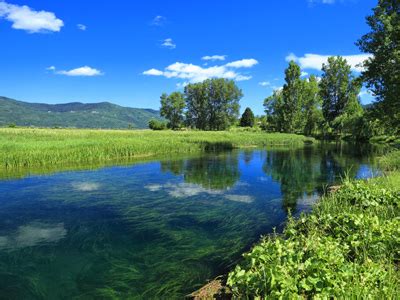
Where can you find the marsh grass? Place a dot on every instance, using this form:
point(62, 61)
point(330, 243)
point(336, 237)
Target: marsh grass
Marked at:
point(24, 147)
point(348, 247)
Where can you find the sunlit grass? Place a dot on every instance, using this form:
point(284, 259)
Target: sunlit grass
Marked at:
point(21, 147)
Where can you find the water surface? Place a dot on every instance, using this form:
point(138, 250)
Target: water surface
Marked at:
point(155, 229)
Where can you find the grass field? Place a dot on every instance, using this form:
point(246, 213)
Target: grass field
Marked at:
point(347, 248)
point(24, 147)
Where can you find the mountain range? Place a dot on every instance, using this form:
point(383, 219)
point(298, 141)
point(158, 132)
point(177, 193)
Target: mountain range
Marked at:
point(74, 115)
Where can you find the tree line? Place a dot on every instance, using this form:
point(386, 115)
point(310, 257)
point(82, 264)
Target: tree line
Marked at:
point(209, 105)
point(325, 106)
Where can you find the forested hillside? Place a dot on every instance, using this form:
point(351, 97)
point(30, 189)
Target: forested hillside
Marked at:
point(75, 114)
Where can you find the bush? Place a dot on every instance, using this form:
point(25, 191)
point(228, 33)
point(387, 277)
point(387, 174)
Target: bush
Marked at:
point(157, 125)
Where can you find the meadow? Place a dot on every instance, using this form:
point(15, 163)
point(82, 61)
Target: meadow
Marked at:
point(26, 147)
point(348, 247)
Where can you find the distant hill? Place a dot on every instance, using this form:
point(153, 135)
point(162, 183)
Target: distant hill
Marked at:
point(75, 114)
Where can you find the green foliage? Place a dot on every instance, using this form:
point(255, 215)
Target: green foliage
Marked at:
point(292, 99)
point(295, 108)
point(391, 161)
point(339, 92)
point(172, 109)
point(247, 119)
point(157, 125)
point(382, 72)
point(74, 115)
point(313, 117)
point(348, 247)
point(212, 104)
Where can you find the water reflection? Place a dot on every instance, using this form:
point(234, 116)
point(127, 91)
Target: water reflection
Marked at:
point(220, 171)
point(157, 229)
point(33, 234)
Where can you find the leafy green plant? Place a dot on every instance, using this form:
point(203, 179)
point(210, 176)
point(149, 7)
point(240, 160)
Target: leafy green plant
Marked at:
point(347, 248)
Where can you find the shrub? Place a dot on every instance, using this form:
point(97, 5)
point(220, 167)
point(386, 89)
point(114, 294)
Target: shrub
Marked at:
point(157, 125)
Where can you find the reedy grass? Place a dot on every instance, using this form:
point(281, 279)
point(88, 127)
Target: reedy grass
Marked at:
point(26, 147)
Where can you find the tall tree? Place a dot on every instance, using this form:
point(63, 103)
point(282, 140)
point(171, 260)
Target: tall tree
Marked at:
point(382, 70)
point(311, 105)
point(212, 104)
point(172, 109)
point(273, 107)
point(292, 99)
point(247, 119)
point(339, 92)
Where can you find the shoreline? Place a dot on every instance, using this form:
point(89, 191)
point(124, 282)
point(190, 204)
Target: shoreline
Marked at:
point(362, 202)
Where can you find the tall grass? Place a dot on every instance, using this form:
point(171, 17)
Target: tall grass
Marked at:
point(347, 248)
point(22, 147)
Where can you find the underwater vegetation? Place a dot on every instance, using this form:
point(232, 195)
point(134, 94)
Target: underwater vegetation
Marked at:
point(157, 229)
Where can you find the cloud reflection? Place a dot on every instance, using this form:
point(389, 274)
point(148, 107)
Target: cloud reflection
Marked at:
point(183, 189)
point(33, 234)
point(86, 186)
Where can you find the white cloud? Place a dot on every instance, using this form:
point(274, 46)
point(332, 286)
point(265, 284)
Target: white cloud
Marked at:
point(315, 61)
point(264, 83)
point(158, 21)
point(243, 77)
point(214, 57)
point(24, 18)
point(153, 72)
point(303, 74)
point(277, 88)
point(193, 73)
point(243, 63)
point(168, 43)
point(82, 71)
point(181, 85)
point(81, 27)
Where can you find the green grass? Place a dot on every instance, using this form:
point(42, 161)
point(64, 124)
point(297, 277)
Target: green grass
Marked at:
point(391, 161)
point(348, 247)
point(23, 147)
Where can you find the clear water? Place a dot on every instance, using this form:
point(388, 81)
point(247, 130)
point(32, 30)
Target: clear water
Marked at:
point(158, 229)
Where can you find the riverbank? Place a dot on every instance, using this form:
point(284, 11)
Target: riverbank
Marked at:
point(26, 147)
point(348, 247)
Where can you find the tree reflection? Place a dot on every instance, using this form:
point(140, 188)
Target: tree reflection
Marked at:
point(219, 171)
point(302, 172)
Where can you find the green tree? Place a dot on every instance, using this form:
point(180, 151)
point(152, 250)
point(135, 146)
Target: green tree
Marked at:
point(247, 119)
point(273, 107)
point(311, 106)
point(172, 109)
point(382, 70)
point(339, 92)
point(295, 108)
point(212, 104)
point(292, 100)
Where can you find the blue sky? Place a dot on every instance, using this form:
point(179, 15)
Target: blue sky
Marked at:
point(129, 52)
